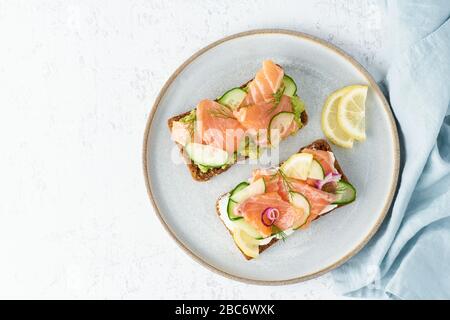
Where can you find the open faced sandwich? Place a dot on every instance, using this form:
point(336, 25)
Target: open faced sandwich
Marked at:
point(275, 202)
point(256, 115)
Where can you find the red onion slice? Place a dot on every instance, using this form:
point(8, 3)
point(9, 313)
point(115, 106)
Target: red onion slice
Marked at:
point(331, 177)
point(269, 215)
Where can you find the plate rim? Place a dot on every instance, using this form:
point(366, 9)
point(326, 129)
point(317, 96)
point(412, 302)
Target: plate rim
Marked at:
point(378, 92)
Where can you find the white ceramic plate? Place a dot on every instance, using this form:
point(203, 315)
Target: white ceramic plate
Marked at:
point(187, 208)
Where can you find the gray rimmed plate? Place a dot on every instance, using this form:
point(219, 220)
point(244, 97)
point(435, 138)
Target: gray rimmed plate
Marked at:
point(186, 208)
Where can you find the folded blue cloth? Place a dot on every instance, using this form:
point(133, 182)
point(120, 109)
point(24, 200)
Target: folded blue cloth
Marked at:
point(409, 257)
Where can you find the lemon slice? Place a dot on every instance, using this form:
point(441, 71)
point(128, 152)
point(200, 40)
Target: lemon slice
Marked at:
point(330, 125)
point(351, 113)
point(248, 245)
point(298, 166)
point(247, 228)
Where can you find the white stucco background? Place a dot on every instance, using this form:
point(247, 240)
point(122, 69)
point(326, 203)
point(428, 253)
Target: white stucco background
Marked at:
point(77, 81)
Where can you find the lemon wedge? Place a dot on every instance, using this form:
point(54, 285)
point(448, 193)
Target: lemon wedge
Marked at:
point(351, 112)
point(248, 245)
point(298, 166)
point(330, 125)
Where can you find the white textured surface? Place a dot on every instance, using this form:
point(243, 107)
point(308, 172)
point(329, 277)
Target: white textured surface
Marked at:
point(77, 80)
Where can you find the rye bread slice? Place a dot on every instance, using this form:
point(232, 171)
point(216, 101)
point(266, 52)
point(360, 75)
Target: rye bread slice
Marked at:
point(316, 145)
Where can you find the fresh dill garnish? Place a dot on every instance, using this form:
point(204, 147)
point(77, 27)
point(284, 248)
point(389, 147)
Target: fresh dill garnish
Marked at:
point(191, 117)
point(280, 234)
point(286, 182)
point(274, 176)
point(278, 95)
point(276, 98)
point(189, 121)
point(224, 112)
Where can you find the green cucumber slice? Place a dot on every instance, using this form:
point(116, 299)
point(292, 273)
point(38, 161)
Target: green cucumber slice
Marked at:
point(316, 171)
point(232, 204)
point(300, 201)
point(230, 210)
point(279, 126)
point(232, 98)
point(206, 155)
point(290, 88)
point(345, 192)
point(239, 187)
point(254, 188)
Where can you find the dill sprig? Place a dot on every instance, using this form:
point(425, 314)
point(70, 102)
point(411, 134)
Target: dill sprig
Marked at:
point(279, 233)
point(224, 112)
point(278, 95)
point(286, 182)
point(189, 120)
point(282, 235)
point(276, 98)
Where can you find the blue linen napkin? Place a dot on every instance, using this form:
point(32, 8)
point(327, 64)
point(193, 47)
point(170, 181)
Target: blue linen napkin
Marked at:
point(409, 257)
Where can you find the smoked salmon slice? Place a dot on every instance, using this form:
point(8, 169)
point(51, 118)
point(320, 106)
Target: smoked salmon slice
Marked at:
point(256, 118)
point(325, 158)
point(270, 178)
point(263, 101)
point(278, 190)
point(180, 133)
point(317, 199)
point(253, 208)
point(266, 82)
point(216, 126)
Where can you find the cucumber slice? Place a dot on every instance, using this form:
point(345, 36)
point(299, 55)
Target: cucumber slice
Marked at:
point(300, 201)
point(279, 126)
point(230, 210)
point(239, 187)
point(316, 171)
point(232, 98)
point(232, 204)
point(206, 155)
point(290, 88)
point(345, 192)
point(256, 187)
point(248, 228)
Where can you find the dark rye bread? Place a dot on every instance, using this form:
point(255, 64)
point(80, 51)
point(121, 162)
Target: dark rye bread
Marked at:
point(316, 145)
point(195, 171)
